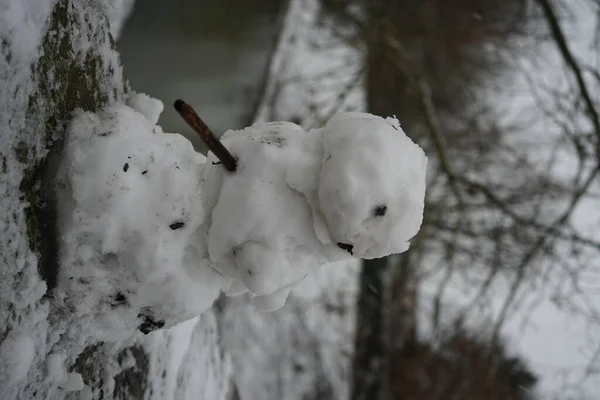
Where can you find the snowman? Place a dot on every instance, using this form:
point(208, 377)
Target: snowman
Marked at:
point(284, 201)
point(152, 231)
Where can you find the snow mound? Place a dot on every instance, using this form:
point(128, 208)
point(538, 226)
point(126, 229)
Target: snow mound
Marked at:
point(131, 220)
point(152, 231)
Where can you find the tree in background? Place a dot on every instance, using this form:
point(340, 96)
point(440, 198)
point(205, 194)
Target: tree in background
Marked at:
point(498, 225)
point(461, 366)
point(496, 212)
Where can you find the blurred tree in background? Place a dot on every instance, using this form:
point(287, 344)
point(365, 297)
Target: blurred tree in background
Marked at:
point(495, 210)
point(501, 96)
point(459, 367)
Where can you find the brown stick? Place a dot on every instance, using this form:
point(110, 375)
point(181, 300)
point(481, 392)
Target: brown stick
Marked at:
point(208, 137)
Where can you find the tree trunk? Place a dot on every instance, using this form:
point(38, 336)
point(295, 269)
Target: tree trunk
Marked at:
point(368, 366)
point(57, 57)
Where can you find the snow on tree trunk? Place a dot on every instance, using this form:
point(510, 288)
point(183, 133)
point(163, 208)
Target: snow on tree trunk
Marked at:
point(56, 57)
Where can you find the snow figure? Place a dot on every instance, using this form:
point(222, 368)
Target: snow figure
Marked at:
point(152, 231)
point(293, 200)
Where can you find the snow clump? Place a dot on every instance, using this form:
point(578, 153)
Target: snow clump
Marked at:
point(152, 231)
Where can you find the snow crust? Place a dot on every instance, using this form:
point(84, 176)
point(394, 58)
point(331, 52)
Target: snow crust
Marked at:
point(152, 231)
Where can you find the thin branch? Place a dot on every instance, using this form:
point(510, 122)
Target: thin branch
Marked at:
point(437, 132)
point(569, 59)
point(521, 270)
point(548, 229)
point(212, 142)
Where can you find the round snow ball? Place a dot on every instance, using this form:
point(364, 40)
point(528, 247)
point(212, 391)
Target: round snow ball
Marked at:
point(371, 184)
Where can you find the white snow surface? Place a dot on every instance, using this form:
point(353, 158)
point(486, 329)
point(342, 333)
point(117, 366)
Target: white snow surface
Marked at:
point(153, 230)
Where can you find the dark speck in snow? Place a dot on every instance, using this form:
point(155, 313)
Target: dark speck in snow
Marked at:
point(118, 300)
point(149, 324)
point(125, 167)
point(177, 225)
point(346, 246)
point(144, 172)
point(250, 272)
point(380, 210)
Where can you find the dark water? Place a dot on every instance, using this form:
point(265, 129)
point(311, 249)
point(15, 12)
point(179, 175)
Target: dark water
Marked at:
point(211, 53)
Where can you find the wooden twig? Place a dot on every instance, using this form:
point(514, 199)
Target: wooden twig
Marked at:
point(208, 137)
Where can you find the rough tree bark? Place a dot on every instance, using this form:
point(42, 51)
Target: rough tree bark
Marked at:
point(76, 66)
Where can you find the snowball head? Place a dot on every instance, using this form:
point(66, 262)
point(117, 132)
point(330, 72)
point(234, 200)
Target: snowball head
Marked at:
point(372, 184)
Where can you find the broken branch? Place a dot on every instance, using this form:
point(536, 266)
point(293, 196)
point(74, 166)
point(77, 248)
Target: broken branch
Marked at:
point(208, 137)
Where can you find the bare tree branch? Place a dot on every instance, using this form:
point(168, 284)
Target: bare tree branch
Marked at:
point(569, 59)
